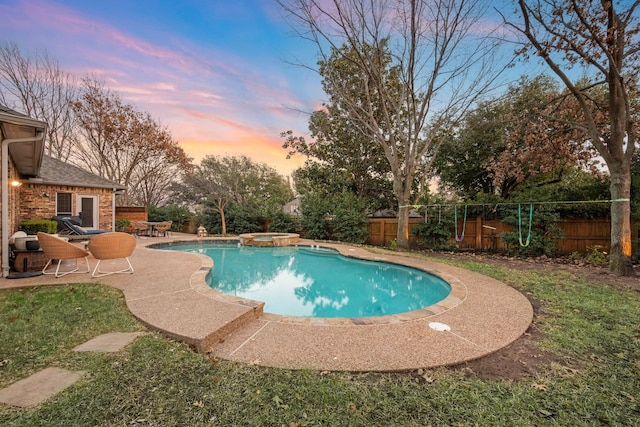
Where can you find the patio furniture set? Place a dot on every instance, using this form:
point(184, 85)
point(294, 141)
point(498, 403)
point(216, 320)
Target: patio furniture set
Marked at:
point(151, 228)
point(103, 246)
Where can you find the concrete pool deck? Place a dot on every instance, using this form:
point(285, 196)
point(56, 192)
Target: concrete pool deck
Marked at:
point(168, 293)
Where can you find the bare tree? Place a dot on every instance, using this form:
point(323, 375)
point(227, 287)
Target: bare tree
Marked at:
point(154, 177)
point(36, 85)
point(126, 146)
point(602, 37)
point(440, 53)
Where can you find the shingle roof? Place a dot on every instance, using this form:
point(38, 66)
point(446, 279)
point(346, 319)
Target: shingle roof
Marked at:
point(56, 172)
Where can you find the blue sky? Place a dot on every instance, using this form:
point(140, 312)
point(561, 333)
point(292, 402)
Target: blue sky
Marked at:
point(214, 72)
point(217, 73)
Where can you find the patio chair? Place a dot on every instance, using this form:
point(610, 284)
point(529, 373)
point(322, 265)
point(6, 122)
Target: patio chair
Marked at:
point(113, 245)
point(58, 249)
point(140, 228)
point(163, 228)
point(69, 228)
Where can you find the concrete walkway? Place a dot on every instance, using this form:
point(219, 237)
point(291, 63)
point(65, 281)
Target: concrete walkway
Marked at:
point(168, 293)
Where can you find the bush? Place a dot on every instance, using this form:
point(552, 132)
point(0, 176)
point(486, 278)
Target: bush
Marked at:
point(282, 222)
point(434, 235)
point(314, 212)
point(122, 224)
point(241, 220)
point(33, 226)
point(210, 219)
point(544, 231)
point(349, 219)
point(595, 255)
point(179, 216)
point(238, 220)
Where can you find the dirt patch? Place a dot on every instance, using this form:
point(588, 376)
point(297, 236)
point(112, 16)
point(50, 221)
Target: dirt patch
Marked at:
point(524, 357)
point(520, 359)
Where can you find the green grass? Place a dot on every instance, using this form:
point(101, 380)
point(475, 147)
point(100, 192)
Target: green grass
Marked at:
point(592, 328)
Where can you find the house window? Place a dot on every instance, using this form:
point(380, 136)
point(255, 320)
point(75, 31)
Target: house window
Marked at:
point(63, 204)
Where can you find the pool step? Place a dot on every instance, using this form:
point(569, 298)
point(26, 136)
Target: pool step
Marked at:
point(253, 310)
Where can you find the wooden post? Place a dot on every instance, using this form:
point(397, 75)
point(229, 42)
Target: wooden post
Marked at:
point(478, 233)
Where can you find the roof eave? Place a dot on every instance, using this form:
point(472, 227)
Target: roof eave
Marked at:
point(27, 156)
point(75, 184)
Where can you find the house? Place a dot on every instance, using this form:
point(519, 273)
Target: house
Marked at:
point(293, 207)
point(35, 186)
point(66, 190)
point(392, 213)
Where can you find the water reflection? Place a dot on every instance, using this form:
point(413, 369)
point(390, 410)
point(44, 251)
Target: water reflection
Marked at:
point(319, 283)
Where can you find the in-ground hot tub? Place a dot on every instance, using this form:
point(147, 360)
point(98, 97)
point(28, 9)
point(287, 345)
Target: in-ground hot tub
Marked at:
point(269, 239)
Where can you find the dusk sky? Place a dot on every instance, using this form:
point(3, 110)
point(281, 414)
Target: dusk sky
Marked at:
point(214, 72)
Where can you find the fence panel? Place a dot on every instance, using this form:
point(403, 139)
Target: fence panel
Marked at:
point(484, 235)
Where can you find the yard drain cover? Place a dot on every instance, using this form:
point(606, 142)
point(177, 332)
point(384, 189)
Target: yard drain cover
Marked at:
point(441, 327)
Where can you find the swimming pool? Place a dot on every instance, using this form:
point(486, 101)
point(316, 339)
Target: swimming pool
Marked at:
point(316, 282)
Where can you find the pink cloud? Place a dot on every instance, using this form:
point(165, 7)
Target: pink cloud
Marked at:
point(211, 103)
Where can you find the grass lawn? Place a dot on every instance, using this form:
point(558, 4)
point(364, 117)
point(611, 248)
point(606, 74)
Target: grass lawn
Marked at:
point(594, 329)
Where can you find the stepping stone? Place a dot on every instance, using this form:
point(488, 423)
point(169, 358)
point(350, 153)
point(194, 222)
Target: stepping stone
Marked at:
point(109, 343)
point(38, 387)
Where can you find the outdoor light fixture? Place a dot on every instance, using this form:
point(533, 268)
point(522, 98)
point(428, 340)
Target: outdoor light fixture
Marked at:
point(44, 194)
point(16, 183)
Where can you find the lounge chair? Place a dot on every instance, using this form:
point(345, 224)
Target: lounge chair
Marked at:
point(58, 249)
point(71, 229)
point(113, 245)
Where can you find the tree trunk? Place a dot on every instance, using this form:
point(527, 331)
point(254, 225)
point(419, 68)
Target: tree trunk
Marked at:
point(224, 222)
point(403, 226)
point(620, 255)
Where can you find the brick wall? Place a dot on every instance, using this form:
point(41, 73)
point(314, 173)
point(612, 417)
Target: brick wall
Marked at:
point(38, 201)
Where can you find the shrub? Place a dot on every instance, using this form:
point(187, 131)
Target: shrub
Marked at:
point(179, 216)
point(122, 224)
point(434, 235)
point(241, 219)
point(282, 222)
point(595, 255)
point(314, 212)
point(33, 226)
point(349, 219)
point(544, 231)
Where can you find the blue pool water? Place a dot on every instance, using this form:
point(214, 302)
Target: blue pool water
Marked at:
point(300, 281)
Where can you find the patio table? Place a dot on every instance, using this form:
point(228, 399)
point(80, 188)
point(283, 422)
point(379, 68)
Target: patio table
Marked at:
point(152, 226)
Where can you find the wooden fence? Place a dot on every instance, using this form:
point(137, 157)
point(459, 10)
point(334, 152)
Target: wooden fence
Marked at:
point(132, 213)
point(484, 235)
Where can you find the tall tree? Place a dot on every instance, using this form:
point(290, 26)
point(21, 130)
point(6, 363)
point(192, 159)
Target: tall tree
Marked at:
point(219, 181)
point(463, 162)
point(153, 177)
point(35, 84)
point(539, 145)
point(351, 160)
point(125, 145)
point(418, 66)
point(603, 38)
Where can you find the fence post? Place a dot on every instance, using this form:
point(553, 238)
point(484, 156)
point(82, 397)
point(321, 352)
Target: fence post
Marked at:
point(478, 233)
